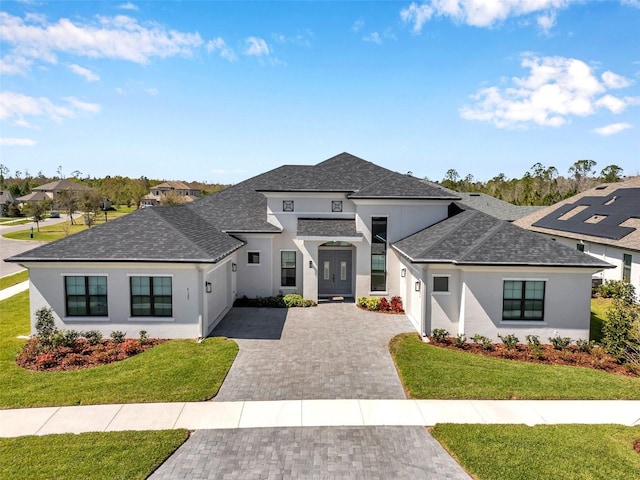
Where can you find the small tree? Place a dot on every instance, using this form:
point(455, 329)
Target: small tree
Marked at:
point(619, 331)
point(90, 205)
point(45, 326)
point(37, 210)
point(67, 201)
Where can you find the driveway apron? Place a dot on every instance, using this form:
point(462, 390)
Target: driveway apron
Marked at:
point(331, 351)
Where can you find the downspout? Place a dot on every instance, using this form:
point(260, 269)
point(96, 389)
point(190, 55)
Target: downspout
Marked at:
point(463, 297)
point(201, 332)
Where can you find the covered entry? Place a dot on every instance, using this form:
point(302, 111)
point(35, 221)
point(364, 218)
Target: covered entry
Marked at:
point(335, 272)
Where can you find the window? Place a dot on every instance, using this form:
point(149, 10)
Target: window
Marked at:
point(378, 254)
point(253, 258)
point(288, 269)
point(523, 300)
point(86, 296)
point(440, 284)
point(336, 205)
point(287, 205)
point(626, 267)
point(580, 247)
point(151, 297)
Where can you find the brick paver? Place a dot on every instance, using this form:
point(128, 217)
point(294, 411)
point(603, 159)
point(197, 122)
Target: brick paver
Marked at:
point(312, 452)
point(332, 351)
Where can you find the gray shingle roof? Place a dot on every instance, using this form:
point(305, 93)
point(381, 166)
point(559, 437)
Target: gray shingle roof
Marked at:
point(163, 234)
point(327, 227)
point(64, 184)
point(475, 238)
point(496, 207)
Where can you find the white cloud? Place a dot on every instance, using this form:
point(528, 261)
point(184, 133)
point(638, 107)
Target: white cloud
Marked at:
point(118, 37)
point(12, 65)
point(631, 3)
point(612, 80)
point(481, 13)
point(17, 142)
point(15, 107)
point(84, 72)
point(546, 21)
point(152, 91)
point(256, 46)
point(556, 89)
point(300, 39)
point(128, 6)
point(357, 26)
point(219, 45)
point(612, 129)
point(373, 38)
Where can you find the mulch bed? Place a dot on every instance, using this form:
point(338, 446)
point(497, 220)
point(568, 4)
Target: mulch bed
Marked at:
point(388, 312)
point(597, 359)
point(81, 355)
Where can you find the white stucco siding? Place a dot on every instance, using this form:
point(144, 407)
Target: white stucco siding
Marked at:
point(609, 254)
point(220, 299)
point(47, 290)
point(443, 308)
point(256, 280)
point(282, 243)
point(305, 205)
point(566, 306)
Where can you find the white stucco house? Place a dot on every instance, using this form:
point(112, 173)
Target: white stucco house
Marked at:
point(343, 227)
point(603, 222)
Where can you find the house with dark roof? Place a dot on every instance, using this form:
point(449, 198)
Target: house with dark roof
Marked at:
point(344, 227)
point(603, 222)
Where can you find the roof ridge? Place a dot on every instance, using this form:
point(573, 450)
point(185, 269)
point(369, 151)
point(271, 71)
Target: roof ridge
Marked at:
point(156, 211)
point(499, 225)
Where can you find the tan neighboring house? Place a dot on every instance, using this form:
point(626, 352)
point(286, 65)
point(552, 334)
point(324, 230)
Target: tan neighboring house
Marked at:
point(158, 192)
point(50, 190)
point(5, 200)
point(603, 222)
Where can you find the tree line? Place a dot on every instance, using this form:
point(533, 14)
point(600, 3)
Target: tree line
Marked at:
point(541, 185)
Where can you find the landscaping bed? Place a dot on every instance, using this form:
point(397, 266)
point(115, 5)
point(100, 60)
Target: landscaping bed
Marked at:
point(381, 304)
point(571, 355)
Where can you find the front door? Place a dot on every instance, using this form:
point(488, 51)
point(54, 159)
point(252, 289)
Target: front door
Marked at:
point(335, 272)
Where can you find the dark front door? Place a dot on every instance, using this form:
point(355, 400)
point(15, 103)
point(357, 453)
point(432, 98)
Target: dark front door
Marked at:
point(334, 276)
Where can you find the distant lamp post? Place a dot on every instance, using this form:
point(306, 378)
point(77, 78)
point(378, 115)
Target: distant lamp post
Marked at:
point(103, 206)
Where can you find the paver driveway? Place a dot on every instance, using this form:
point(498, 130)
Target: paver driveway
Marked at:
point(334, 350)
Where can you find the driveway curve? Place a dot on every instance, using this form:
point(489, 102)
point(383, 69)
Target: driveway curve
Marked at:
point(331, 351)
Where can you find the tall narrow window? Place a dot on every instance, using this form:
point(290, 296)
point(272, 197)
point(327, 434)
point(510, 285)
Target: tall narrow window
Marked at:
point(151, 297)
point(288, 269)
point(626, 267)
point(86, 296)
point(378, 254)
point(523, 300)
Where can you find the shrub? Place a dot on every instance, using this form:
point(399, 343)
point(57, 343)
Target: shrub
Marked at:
point(560, 343)
point(384, 305)
point(292, 300)
point(308, 303)
point(510, 341)
point(45, 325)
point(585, 345)
point(618, 329)
point(46, 360)
point(460, 340)
point(362, 302)
point(617, 289)
point(144, 337)
point(372, 304)
point(117, 336)
point(73, 360)
point(129, 347)
point(537, 351)
point(94, 337)
point(65, 338)
point(533, 340)
point(439, 335)
point(486, 342)
point(396, 305)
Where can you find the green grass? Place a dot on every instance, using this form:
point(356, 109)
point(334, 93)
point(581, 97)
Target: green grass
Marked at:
point(11, 280)
point(433, 372)
point(542, 452)
point(113, 455)
point(49, 233)
point(599, 307)
point(14, 221)
point(178, 370)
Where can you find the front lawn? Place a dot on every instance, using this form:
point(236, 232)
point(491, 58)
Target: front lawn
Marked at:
point(109, 456)
point(599, 307)
point(544, 451)
point(175, 371)
point(428, 371)
point(11, 280)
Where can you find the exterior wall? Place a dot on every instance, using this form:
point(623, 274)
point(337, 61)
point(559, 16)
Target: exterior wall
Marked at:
point(612, 255)
point(47, 290)
point(256, 280)
point(474, 304)
point(223, 293)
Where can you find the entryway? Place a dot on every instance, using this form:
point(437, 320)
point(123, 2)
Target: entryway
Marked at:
point(335, 272)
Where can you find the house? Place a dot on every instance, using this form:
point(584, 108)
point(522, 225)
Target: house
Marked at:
point(603, 222)
point(50, 190)
point(344, 227)
point(159, 192)
point(6, 199)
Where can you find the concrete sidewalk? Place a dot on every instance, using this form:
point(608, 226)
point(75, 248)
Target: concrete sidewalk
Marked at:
point(14, 290)
point(312, 413)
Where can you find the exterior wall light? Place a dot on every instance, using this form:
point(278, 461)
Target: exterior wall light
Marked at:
point(310, 263)
point(207, 286)
point(234, 267)
point(403, 272)
point(417, 286)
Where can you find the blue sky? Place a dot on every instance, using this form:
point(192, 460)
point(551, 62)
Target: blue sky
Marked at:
point(220, 91)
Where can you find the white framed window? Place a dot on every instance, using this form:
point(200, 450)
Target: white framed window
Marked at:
point(288, 268)
point(253, 257)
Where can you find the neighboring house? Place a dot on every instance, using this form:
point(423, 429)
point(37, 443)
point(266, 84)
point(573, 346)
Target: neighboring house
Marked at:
point(159, 192)
point(496, 207)
point(342, 228)
point(50, 190)
point(6, 199)
point(603, 222)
